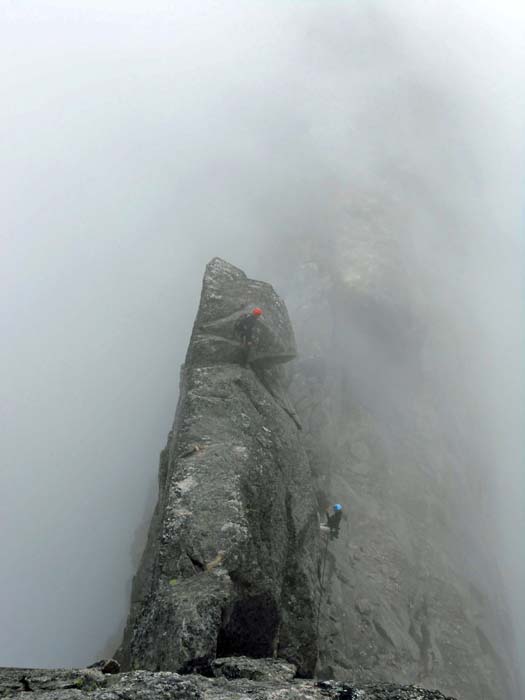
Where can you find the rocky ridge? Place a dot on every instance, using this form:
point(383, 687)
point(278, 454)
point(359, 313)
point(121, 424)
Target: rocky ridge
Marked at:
point(235, 678)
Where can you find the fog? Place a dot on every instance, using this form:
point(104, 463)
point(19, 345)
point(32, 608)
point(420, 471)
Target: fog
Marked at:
point(139, 141)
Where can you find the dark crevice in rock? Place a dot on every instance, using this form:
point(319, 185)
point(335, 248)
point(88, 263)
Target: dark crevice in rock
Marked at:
point(249, 628)
point(197, 565)
point(25, 684)
point(200, 665)
point(383, 633)
point(419, 630)
point(276, 392)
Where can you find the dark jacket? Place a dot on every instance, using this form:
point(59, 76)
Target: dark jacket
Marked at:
point(247, 328)
point(334, 520)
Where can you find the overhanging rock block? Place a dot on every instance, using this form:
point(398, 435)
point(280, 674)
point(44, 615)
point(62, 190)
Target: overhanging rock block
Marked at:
point(227, 294)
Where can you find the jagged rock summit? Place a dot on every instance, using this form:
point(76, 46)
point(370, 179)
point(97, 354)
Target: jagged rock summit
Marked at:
point(229, 583)
point(231, 563)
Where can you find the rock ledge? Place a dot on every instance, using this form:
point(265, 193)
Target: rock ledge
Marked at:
point(269, 680)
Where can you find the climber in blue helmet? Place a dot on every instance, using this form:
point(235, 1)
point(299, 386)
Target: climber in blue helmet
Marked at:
point(334, 520)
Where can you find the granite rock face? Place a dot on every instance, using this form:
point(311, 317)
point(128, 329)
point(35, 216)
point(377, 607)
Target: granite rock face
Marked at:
point(254, 669)
point(237, 595)
point(264, 682)
point(231, 563)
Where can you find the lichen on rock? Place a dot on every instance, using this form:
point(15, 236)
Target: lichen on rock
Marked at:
point(236, 523)
point(236, 679)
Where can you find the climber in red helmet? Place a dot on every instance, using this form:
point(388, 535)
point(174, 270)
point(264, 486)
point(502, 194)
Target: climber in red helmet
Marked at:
point(247, 328)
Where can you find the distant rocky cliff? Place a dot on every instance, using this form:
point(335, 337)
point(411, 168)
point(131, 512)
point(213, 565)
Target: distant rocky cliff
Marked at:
point(412, 591)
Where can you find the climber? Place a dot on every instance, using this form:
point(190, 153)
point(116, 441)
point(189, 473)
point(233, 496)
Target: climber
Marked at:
point(246, 327)
point(333, 520)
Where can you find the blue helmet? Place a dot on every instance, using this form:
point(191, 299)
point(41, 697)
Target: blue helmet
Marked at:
point(338, 506)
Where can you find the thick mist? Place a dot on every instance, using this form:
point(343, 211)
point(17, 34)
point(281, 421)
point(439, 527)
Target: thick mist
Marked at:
point(139, 142)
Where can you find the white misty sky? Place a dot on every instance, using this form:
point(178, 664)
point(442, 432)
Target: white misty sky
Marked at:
point(141, 139)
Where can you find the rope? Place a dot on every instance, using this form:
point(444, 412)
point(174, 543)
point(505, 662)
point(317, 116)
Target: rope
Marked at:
point(322, 587)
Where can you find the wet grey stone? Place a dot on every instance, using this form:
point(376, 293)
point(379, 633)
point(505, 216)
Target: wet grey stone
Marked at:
point(363, 606)
point(266, 684)
point(36, 680)
point(231, 563)
point(107, 666)
point(254, 669)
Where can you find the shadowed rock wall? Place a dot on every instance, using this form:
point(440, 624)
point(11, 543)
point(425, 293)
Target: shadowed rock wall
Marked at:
point(231, 563)
point(412, 594)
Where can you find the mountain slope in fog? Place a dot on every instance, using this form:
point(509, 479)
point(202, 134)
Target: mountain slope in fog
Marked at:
point(413, 591)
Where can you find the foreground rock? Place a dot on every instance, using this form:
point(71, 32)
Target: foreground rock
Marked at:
point(269, 684)
point(231, 563)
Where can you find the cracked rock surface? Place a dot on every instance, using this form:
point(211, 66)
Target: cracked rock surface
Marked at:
point(259, 679)
point(231, 563)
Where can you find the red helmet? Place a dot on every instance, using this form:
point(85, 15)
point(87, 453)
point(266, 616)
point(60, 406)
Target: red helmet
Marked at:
point(257, 311)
